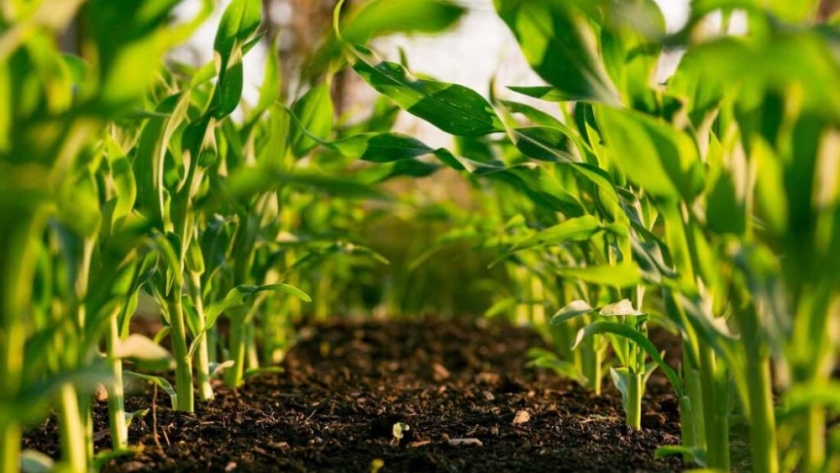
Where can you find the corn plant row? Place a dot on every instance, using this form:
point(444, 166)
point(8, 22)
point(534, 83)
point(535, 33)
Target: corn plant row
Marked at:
point(124, 179)
point(709, 204)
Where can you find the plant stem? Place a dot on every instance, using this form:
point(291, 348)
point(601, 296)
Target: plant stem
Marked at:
point(591, 360)
point(10, 438)
point(234, 374)
point(763, 448)
point(688, 428)
point(116, 394)
point(715, 407)
point(634, 401)
point(814, 455)
point(202, 353)
point(20, 233)
point(72, 430)
point(183, 363)
point(694, 392)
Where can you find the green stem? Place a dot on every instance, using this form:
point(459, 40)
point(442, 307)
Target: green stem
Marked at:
point(694, 392)
point(814, 430)
point(715, 410)
point(765, 457)
point(234, 374)
point(202, 353)
point(591, 359)
point(688, 428)
point(537, 301)
point(253, 359)
point(10, 438)
point(116, 394)
point(20, 232)
point(634, 401)
point(72, 430)
point(183, 363)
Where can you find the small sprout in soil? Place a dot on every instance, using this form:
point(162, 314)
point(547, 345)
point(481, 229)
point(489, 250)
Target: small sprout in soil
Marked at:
point(399, 431)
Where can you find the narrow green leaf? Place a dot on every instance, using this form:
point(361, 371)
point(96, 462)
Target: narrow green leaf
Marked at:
point(144, 352)
point(697, 454)
point(542, 358)
point(636, 337)
point(453, 108)
point(238, 296)
point(573, 229)
point(572, 310)
point(239, 22)
point(661, 159)
point(251, 181)
point(543, 92)
point(162, 383)
point(620, 275)
point(621, 308)
point(314, 112)
point(33, 461)
point(382, 17)
point(381, 147)
point(560, 45)
point(545, 144)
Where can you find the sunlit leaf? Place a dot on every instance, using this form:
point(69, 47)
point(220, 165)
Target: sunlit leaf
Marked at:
point(453, 108)
point(561, 46)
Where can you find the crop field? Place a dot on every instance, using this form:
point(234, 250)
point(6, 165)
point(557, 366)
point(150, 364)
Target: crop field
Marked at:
point(609, 271)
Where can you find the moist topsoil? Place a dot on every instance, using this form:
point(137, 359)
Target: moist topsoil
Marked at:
point(462, 388)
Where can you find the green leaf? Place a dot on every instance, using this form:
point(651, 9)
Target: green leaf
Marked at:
point(160, 382)
point(381, 147)
point(661, 159)
point(561, 46)
point(573, 229)
point(636, 337)
point(542, 358)
point(239, 22)
point(239, 296)
point(572, 310)
point(251, 372)
point(314, 111)
point(543, 92)
point(697, 454)
point(501, 307)
point(271, 86)
point(453, 108)
point(621, 308)
point(545, 144)
point(804, 396)
point(620, 275)
point(382, 17)
point(541, 187)
point(145, 353)
point(621, 379)
point(33, 461)
point(125, 36)
point(251, 181)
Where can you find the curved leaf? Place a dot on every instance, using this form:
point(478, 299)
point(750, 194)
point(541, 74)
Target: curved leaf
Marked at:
point(619, 275)
point(314, 112)
point(660, 158)
point(636, 337)
point(573, 229)
point(144, 352)
point(453, 108)
point(571, 311)
point(561, 46)
point(381, 147)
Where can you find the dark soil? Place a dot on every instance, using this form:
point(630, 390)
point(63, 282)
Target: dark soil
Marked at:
point(345, 386)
